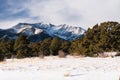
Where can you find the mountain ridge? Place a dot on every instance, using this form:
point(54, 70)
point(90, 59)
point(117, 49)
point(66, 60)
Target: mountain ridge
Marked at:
point(62, 31)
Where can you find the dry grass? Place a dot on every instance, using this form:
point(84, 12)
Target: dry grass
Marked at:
point(67, 74)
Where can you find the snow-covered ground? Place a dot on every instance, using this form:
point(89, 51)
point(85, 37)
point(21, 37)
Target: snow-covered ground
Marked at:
point(54, 68)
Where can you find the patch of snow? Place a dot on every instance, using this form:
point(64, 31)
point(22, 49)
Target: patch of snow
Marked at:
point(21, 28)
point(54, 68)
point(37, 31)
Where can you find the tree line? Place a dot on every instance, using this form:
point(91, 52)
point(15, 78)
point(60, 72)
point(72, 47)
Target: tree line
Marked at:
point(101, 38)
point(104, 37)
point(22, 47)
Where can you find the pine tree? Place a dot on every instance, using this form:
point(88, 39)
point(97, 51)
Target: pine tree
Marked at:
point(45, 46)
point(55, 46)
point(65, 46)
point(35, 48)
point(22, 39)
point(21, 46)
point(1, 56)
point(4, 48)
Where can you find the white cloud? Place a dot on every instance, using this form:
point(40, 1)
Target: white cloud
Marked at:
point(15, 6)
point(76, 12)
point(84, 13)
point(7, 24)
point(10, 23)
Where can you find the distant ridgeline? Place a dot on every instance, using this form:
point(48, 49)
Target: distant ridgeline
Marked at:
point(39, 31)
point(101, 38)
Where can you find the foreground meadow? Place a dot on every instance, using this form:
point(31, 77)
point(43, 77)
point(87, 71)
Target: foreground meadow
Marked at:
point(54, 68)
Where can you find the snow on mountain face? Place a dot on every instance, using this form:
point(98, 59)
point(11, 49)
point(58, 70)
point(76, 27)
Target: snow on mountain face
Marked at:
point(26, 29)
point(64, 31)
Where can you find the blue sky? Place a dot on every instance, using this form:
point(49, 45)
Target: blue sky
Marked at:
point(12, 10)
point(83, 13)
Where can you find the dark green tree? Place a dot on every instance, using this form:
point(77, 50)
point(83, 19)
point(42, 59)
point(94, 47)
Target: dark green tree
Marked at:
point(65, 46)
point(21, 46)
point(45, 46)
point(35, 48)
point(55, 46)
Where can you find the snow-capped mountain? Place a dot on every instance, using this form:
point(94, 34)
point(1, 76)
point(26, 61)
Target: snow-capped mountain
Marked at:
point(64, 31)
point(40, 31)
point(27, 29)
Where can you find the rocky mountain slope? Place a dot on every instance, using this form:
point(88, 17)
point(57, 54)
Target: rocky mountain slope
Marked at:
point(40, 31)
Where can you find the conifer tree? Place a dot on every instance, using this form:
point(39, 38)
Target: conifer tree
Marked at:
point(21, 46)
point(55, 46)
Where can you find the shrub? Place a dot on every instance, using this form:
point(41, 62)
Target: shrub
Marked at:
point(75, 54)
point(118, 54)
point(41, 55)
point(61, 54)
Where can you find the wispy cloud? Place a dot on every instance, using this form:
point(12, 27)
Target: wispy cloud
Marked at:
point(12, 9)
point(84, 13)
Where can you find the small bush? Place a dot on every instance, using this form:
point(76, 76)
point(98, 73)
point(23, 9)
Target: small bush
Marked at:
point(75, 54)
point(41, 55)
point(61, 54)
point(118, 54)
point(67, 74)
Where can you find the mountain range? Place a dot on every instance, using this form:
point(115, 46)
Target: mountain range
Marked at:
point(40, 31)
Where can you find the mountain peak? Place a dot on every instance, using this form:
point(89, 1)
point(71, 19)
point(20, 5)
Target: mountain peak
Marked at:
point(40, 31)
point(63, 31)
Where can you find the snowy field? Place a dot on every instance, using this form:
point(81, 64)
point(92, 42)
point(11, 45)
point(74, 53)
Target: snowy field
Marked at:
point(54, 68)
